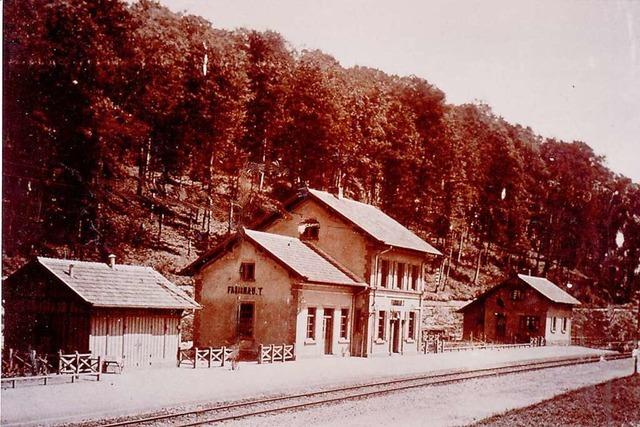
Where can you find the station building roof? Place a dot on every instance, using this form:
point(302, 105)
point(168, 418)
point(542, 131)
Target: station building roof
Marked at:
point(373, 222)
point(302, 259)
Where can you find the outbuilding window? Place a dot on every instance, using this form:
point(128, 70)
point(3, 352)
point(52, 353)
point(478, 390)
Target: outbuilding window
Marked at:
point(309, 229)
point(248, 271)
point(311, 323)
point(517, 294)
point(554, 320)
point(530, 324)
point(344, 324)
point(382, 322)
point(564, 325)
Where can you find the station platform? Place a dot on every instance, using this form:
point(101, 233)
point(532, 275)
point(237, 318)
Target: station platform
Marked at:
point(151, 390)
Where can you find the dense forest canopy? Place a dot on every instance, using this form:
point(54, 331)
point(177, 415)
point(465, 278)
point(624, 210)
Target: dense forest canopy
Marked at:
point(102, 96)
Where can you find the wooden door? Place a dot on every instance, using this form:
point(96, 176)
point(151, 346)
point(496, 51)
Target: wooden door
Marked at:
point(327, 327)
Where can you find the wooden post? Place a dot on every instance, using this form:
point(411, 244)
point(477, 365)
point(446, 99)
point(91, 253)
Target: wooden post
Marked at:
point(59, 362)
point(11, 361)
point(99, 368)
point(293, 351)
point(260, 354)
point(224, 355)
point(77, 363)
point(210, 355)
point(195, 358)
point(272, 352)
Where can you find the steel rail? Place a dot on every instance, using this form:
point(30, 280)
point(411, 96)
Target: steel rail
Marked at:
point(419, 381)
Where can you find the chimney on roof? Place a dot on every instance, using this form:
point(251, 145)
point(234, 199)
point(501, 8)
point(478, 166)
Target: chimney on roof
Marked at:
point(112, 260)
point(70, 272)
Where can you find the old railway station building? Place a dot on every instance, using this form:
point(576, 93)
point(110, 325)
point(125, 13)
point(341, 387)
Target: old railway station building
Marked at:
point(331, 275)
point(123, 313)
point(518, 309)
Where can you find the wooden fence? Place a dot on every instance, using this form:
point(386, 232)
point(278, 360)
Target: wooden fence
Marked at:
point(210, 356)
point(441, 346)
point(276, 353)
point(22, 366)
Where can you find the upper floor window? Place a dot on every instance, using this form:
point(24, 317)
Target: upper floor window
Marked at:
point(309, 229)
point(384, 273)
point(517, 294)
point(400, 268)
point(415, 277)
point(248, 271)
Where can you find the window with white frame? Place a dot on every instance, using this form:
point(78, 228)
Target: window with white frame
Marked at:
point(344, 324)
point(382, 323)
point(311, 323)
point(415, 277)
point(384, 273)
point(400, 269)
point(554, 321)
point(411, 329)
point(564, 325)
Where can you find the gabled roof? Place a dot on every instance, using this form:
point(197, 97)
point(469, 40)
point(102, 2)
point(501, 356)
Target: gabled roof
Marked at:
point(126, 286)
point(374, 222)
point(548, 289)
point(544, 286)
point(301, 259)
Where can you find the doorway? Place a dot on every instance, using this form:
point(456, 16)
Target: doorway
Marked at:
point(501, 325)
point(327, 330)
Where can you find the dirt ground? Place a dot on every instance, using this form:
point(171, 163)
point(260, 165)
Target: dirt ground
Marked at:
point(463, 403)
point(615, 402)
point(144, 391)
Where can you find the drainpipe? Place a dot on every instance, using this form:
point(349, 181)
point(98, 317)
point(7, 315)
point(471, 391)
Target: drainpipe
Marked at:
point(418, 326)
point(377, 282)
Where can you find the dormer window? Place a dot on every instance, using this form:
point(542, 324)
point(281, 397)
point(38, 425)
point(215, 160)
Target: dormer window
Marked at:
point(248, 271)
point(309, 229)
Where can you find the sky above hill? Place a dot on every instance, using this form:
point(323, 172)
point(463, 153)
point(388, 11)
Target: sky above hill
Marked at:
point(569, 69)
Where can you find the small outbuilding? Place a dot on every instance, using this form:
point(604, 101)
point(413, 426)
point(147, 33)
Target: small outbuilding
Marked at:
point(130, 314)
point(518, 309)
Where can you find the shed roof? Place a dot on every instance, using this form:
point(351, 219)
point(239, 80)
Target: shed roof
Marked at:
point(374, 222)
point(548, 289)
point(300, 258)
point(126, 286)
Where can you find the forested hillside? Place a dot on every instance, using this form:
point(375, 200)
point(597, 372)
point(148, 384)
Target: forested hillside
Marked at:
point(134, 130)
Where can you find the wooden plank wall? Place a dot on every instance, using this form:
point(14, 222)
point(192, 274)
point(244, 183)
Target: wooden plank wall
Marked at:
point(139, 338)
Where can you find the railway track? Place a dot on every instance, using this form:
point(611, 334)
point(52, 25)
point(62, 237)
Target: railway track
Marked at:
point(250, 408)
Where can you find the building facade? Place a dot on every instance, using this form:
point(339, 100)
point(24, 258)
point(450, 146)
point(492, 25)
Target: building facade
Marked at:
point(129, 314)
point(378, 314)
point(518, 309)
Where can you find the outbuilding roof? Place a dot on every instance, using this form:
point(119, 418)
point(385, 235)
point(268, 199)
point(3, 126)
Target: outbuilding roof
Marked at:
point(549, 289)
point(300, 258)
point(374, 222)
point(126, 286)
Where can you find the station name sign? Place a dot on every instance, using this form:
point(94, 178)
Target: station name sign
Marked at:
point(244, 290)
